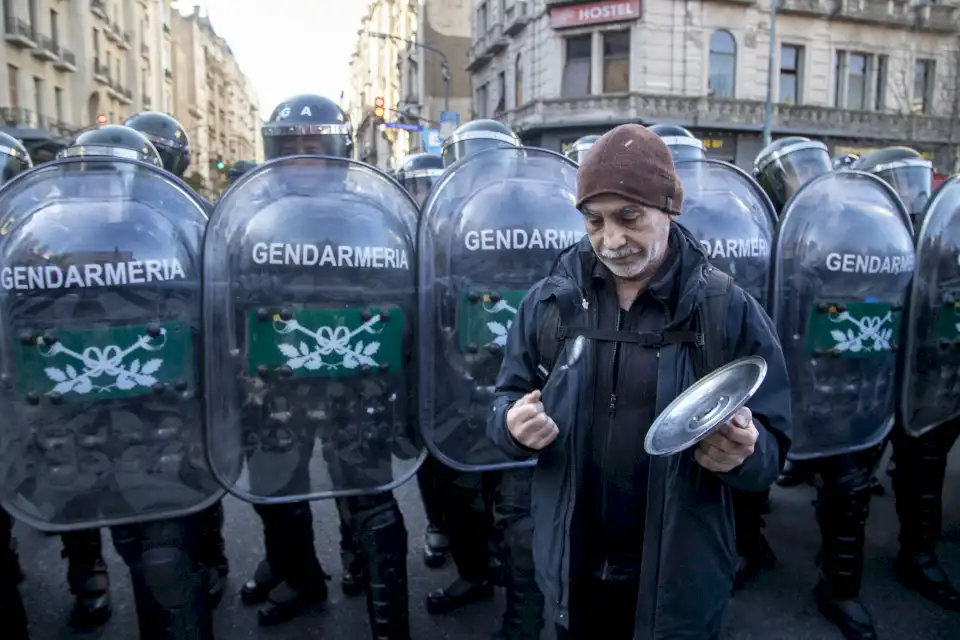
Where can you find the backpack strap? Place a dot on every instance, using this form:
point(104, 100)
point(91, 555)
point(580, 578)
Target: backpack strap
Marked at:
point(713, 322)
point(548, 339)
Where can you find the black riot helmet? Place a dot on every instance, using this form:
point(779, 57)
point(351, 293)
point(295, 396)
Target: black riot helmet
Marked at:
point(114, 140)
point(904, 169)
point(579, 149)
point(239, 168)
point(845, 161)
point(307, 124)
point(683, 145)
point(418, 173)
point(166, 134)
point(16, 160)
point(475, 136)
point(787, 164)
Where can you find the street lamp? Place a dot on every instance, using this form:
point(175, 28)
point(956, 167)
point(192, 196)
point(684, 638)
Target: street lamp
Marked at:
point(444, 64)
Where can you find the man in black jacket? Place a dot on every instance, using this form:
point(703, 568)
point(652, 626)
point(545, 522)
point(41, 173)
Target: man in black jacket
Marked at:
point(639, 547)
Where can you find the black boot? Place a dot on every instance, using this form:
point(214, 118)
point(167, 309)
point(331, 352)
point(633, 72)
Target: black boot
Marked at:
point(354, 579)
point(292, 559)
point(436, 545)
point(918, 486)
point(382, 543)
point(212, 552)
point(87, 576)
point(842, 515)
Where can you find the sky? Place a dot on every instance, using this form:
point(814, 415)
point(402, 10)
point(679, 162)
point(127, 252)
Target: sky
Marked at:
point(288, 47)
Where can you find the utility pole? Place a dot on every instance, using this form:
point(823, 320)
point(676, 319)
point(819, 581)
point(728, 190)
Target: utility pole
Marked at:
point(444, 63)
point(768, 106)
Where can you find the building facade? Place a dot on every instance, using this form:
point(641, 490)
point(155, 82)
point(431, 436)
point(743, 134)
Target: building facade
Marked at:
point(857, 74)
point(213, 99)
point(69, 64)
point(432, 75)
point(384, 35)
point(44, 76)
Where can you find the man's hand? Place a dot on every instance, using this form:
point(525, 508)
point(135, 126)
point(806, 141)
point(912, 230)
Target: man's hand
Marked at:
point(726, 448)
point(529, 424)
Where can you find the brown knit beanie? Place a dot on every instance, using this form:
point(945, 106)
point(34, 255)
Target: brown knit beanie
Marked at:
point(633, 162)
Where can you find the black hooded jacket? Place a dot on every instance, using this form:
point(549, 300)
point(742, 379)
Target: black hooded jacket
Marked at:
point(689, 554)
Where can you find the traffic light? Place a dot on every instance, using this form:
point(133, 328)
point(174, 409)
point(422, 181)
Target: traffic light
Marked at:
point(378, 108)
point(220, 165)
point(101, 119)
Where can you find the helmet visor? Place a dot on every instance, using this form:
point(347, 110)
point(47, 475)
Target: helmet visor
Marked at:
point(911, 179)
point(684, 148)
point(175, 158)
point(280, 141)
point(459, 146)
point(419, 183)
point(98, 151)
point(785, 171)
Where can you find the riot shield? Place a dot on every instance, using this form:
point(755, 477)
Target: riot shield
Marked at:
point(731, 216)
point(99, 344)
point(930, 389)
point(842, 266)
point(495, 224)
point(310, 312)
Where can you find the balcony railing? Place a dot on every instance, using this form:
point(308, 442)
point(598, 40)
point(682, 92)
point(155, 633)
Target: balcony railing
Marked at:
point(66, 60)
point(747, 115)
point(19, 33)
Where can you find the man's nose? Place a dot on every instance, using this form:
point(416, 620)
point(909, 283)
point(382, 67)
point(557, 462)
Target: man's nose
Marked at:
point(614, 235)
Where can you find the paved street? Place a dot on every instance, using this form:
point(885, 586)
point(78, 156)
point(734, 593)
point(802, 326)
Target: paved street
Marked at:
point(779, 606)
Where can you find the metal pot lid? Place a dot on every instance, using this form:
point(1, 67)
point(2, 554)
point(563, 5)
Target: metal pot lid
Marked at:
point(704, 406)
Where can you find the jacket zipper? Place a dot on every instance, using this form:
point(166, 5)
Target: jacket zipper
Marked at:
point(594, 320)
point(612, 412)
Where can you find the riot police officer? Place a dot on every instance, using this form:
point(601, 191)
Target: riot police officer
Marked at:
point(927, 429)
point(373, 535)
point(484, 508)
point(843, 324)
point(16, 160)
point(86, 570)
point(137, 434)
point(173, 145)
point(781, 168)
point(683, 145)
point(580, 148)
point(418, 173)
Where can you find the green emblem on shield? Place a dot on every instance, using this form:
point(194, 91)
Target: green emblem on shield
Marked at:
point(853, 330)
point(105, 363)
point(486, 316)
point(327, 342)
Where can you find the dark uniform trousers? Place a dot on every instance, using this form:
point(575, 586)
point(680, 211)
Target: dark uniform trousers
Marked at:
point(918, 486)
point(433, 478)
point(12, 613)
point(169, 582)
point(496, 505)
point(843, 484)
point(372, 529)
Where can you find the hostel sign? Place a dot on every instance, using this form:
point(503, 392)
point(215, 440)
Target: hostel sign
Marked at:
point(581, 15)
